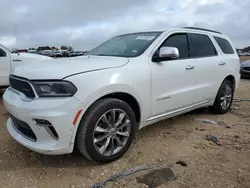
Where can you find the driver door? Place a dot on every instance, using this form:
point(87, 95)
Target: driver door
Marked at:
point(173, 81)
point(4, 68)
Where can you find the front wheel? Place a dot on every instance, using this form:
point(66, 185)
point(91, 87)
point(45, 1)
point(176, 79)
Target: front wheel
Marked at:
point(224, 98)
point(106, 130)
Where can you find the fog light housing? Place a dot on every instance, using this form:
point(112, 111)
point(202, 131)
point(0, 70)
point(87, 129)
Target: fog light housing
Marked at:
point(42, 122)
point(48, 127)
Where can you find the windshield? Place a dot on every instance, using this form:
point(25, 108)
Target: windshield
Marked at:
point(130, 45)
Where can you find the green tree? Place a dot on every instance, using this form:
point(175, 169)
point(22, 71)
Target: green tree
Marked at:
point(64, 48)
point(70, 48)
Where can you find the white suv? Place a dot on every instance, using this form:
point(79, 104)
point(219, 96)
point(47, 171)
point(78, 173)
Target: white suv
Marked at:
point(97, 102)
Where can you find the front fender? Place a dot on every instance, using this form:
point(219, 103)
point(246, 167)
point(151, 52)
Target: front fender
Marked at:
point(95, 85)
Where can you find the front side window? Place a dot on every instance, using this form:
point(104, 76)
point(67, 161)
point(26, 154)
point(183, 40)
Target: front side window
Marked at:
point(130, 45)
point(224, 45)
point(180, 42)
point(2, 53)
point(201, 46)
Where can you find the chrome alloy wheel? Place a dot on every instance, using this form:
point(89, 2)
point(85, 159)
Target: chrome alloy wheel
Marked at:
point(226, 98)
point(111, 132)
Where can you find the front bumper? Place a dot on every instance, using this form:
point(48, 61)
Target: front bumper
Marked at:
point(60, 112)
point(244, 72)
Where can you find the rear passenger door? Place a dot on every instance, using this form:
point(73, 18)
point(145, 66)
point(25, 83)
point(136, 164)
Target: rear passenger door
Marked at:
point(206, 62)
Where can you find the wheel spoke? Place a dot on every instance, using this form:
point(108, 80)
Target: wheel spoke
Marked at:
point(124, 124)
point(100, 129)
point(101, 138)
point(105, 120)
point(119, 142)
point(222, 98)
point(113, 116)
point(224, 105)
point(105, 146)
point(126, 134)
point(120, 118)
point(112, 146)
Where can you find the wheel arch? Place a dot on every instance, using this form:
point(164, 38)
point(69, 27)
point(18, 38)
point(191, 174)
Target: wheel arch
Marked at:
point(131, 99)
point(232, 79)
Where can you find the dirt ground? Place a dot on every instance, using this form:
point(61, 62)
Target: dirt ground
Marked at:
point(164, 143)
point(244, 58)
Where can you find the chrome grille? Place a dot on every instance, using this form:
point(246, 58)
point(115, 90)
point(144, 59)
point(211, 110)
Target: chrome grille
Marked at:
point(246, 68)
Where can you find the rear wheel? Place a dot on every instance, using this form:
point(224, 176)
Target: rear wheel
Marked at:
point(224, 98)
point(106, 130)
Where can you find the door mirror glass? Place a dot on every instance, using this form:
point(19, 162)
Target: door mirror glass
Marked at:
point(168, 53)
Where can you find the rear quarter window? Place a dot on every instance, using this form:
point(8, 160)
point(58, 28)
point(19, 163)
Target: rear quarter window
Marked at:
point(224, 45)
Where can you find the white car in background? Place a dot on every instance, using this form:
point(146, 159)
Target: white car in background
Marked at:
point(97, 102)
point(9, 61)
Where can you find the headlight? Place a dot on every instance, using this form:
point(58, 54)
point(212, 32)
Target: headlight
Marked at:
point(241, 66)
point(54, 88)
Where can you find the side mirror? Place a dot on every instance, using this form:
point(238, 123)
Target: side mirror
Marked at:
point(169, 52)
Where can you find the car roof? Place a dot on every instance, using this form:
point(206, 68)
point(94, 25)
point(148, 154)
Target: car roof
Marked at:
point(196, 29)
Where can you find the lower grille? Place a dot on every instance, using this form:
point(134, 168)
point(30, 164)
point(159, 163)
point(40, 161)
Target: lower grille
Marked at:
point(23, 128)
point(246, 68)
point(21, 85)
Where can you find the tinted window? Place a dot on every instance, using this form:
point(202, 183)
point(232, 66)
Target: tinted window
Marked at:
point(224, 45)
point(201, 46)
point(180, 42)
point(2, 53)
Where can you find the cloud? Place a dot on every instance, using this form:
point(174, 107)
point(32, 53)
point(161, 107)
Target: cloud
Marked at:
point(84, 24)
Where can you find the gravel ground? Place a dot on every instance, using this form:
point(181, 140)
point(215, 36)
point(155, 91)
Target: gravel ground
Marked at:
point(163, 144)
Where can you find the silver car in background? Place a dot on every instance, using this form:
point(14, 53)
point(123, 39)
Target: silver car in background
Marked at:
point(245, 69)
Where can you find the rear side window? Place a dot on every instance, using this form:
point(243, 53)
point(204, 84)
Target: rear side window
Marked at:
point(201, 46)
point(180, 42)
point(224, 45)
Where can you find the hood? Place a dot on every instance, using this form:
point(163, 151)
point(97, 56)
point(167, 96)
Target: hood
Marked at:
point(60, 68)
point(28, 57)
point(21, 59)
point(246, 63)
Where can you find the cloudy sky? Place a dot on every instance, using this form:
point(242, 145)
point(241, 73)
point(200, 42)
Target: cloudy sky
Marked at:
point(85, 23)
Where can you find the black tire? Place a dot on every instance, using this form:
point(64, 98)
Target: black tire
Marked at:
point(217, 107)
point(84, 137)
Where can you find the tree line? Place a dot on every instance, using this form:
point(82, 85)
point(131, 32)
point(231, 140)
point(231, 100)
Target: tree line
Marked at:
point(64, 47)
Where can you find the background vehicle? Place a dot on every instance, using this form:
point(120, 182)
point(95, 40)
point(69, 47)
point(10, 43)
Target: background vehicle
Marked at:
point(245, 69)
point(72, 54)
point(79, 53)
point(9, 61)
point(57, 53)
point(123, 85)
point(65, 53)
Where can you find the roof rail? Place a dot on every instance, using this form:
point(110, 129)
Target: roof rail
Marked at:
point(197, 28)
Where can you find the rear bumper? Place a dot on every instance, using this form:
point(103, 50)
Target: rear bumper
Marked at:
point(59, 112)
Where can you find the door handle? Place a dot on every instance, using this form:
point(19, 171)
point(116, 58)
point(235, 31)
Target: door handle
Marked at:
point(190, 67)
point(222, 63)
